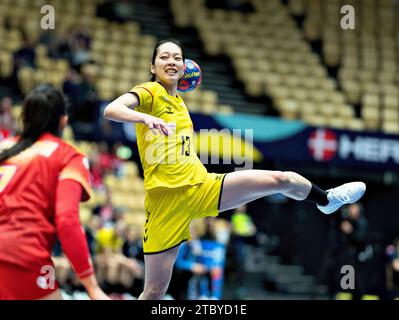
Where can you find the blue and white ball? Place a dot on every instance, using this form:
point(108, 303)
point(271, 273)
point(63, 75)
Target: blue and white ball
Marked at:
point(192, 76)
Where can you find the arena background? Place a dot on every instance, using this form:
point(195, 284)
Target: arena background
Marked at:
point(318, 86)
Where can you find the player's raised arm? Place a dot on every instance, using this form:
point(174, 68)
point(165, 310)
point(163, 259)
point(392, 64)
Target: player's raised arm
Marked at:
point(121, 110)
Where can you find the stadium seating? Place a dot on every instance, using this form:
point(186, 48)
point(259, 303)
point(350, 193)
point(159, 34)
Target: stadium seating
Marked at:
point(123, 61)
point(271, 53)
point(366, 57)
point(273, 56)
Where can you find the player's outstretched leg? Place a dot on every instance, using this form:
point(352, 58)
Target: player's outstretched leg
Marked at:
point(241, 187)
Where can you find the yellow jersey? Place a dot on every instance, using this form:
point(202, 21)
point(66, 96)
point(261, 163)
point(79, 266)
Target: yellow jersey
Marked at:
point(168, 161)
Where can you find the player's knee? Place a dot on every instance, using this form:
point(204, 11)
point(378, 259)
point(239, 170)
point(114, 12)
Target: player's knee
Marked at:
point(281, 180)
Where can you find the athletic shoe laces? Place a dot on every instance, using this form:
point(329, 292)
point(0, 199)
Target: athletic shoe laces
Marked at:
point(341, 194)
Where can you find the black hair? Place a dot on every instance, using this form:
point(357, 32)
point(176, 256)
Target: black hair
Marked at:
point(160, 43)
point(42, 110)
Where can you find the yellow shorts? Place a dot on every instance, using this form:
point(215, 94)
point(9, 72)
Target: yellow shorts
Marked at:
point(170, 211)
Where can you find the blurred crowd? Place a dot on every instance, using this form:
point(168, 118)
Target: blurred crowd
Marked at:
point(116, 248)
point(76, 74)
point(375, 263)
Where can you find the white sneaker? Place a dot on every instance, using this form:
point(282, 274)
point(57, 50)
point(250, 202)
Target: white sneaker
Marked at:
point(344, 194)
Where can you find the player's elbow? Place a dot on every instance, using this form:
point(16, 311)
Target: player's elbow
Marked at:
point(111, 111)
point(107, 113)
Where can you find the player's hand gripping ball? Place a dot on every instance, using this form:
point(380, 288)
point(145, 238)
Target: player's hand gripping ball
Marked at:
point(192, 76)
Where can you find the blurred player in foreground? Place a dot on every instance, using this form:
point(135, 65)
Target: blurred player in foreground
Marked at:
point(42, 181)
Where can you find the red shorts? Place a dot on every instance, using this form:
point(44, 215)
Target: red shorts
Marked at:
point(17, 283)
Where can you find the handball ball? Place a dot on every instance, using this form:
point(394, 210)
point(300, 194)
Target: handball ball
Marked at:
point(192, 76)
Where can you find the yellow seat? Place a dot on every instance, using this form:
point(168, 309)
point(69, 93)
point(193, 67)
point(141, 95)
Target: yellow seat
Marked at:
point(209, 108)
point(16, 112)
point(6, 64)
point(209, 97)
point(293, 81)
point(352, 90)
point(356, 124)
point(254, 84)
point(277, 91)
point(371, 117)
point(371, 87)
point(225, 109)
point(315, 120)
point(328, 109)
point(319, 95)
point(390, 114)
point(371, 99)
point(288, 108)
point(391, 101)
point(345, 110)
point(390, 127)
point(338, 123)
point(26, 79)
point(131, 169)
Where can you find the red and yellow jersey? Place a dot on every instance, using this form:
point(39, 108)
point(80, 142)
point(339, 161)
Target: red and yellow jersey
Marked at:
point(168, 161)
point(28, 183)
